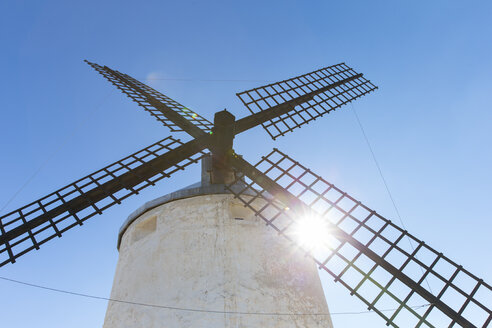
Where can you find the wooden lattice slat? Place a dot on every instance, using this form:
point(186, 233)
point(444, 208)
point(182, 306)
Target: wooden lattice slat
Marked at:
point(382, 264)
point(147, 97)
point(349, 86)
point(32, 225)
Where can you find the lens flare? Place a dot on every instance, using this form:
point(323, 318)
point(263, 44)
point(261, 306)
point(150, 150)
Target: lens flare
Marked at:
point(311, 232)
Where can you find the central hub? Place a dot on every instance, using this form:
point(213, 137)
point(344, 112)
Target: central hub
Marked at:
point(223, 136)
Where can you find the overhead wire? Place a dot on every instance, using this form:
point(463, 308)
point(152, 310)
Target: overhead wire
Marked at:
point(55, 152)
point(205, 310)
point(176, 308)
point(81, 123)
point(376, 162)
point(88, 117)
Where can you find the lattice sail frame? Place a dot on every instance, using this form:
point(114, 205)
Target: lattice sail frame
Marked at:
point(124, 83)
point(379, 290)
point(271, 95)
point(54, 227)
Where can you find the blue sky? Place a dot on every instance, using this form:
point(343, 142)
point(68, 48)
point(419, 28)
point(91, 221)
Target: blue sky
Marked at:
point(429, 123)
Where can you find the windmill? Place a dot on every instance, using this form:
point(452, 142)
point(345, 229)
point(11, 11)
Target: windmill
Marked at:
point(365, 252)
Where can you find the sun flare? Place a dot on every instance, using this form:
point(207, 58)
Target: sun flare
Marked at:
point(311, 232)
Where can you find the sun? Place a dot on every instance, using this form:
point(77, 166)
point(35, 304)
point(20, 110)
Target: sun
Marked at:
point(311, 232)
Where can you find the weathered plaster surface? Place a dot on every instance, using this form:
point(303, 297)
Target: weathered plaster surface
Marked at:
point(194, 253)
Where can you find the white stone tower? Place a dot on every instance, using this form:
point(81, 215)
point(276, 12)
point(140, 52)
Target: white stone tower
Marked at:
point(199, 248)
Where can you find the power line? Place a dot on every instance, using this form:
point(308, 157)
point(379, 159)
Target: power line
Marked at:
point(387, 188)
point(191, 309)
point(54, 153)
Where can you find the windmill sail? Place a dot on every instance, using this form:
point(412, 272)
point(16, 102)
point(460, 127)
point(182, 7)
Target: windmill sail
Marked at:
point(368, 254)
point(30, 226)
point(398, 276)
point(302, 99)
point(166, 110)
